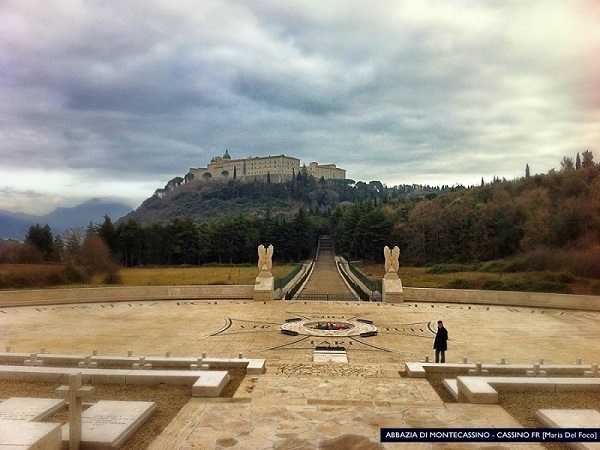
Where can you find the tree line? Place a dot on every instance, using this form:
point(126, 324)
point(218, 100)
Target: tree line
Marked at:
point(502, 219)
point(183, 241)
point(533, 215)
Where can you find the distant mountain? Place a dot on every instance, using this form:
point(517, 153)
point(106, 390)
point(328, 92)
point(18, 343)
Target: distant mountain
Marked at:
point(15, 225)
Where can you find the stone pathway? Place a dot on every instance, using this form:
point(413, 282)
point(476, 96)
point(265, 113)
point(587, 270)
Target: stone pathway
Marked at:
point(297, 404)
point(284, 413)
point(325, 277)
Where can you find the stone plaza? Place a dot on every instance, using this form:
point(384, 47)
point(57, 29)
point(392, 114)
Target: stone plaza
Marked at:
point(300, 400)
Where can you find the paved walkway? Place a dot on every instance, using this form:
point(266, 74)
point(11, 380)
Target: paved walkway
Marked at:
point(298, 404)
point(325, 277)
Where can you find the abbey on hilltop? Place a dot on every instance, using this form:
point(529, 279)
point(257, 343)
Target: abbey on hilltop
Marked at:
point(274, 169)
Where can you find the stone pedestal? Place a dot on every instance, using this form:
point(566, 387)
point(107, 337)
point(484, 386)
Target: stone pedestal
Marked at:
point(264, 286)
point(392, 289)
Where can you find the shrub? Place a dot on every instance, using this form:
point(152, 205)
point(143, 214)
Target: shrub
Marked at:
point(560, 277)
point(494, 285)
point(458, 283)
point(553, 287)
point(498, 266)
point(113, 277)
point(449, 268)
point(72, 275)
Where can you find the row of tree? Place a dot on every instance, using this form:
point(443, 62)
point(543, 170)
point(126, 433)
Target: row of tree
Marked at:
point(232, 239)
point(559, 209)
point(493, 221)
point(183, 241)
point(75, 247)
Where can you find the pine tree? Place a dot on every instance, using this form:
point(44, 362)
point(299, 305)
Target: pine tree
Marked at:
point(527, 174)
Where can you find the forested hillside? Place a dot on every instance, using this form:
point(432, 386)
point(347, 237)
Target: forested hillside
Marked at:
point(205, 200)
point(541, 222)
point(549, 221)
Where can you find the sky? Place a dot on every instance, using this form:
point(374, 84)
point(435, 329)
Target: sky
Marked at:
point(113, 99)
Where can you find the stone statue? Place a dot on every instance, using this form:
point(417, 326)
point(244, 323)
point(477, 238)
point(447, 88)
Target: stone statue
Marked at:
point(264, 258)
point(391, 259)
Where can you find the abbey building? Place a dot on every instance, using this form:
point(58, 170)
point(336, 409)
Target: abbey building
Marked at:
point(275, 169)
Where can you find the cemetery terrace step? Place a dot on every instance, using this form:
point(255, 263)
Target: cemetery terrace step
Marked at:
point(253, 366)
point(420, 369)
point(478, 389)
point(196, 378)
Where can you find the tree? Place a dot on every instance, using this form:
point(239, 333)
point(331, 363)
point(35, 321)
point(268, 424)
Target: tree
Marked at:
point(577, 162)
point(73, 240)
point(95, 255)
point(106, 230)
point(587, 160)
point(567, 164)
point(41, 239)
point(527, 174)
point(173, 183)
point(130, 240)
point(183, 242)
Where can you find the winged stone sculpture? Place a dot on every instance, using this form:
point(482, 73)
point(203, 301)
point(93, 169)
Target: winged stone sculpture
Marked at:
point(391, 259)
point(265, 256)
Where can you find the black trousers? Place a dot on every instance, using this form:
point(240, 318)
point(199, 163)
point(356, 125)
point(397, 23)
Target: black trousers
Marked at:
point(439, 353)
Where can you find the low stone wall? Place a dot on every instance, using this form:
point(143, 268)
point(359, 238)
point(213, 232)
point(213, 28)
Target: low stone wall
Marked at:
point(123, 294)
point(246, 292)
point(506, 298)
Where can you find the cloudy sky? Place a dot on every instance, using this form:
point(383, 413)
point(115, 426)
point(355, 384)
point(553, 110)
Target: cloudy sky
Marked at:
point(115, 98)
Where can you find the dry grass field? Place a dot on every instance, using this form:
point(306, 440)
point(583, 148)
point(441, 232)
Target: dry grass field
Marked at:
point(541, 281)
point(36, 276)
point(166, 276)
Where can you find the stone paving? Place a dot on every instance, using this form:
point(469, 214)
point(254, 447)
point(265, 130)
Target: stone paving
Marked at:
point(297, 404)
point(325, 277)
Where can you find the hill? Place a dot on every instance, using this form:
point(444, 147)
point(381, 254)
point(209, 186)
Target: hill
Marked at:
point(206, 200)
point(15, 225)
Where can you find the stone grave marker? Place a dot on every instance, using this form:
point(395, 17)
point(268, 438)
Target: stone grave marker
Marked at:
point(21, 435)
point(74, 392)
point(108, 424)
point(18, 426)
point(27, 409)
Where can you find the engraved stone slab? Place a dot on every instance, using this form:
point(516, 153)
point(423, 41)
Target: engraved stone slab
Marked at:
point(27, 409)
point(327, 357)
point(108, 424)
point(18, 435)
point(569, 418)
point(572, 418)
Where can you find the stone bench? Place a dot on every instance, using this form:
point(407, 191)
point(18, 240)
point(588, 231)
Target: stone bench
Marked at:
point(485, 389)
point(202, 382)
point(253, 366)
point(572, 418)
point(420, 369)
point(451, 386)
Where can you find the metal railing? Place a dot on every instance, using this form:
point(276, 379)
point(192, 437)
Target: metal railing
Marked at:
point(327, 297)
point(282, 282)
point(374, 286)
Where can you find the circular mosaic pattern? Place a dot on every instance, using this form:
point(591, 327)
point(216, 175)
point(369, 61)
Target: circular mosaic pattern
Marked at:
point(332, 327)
